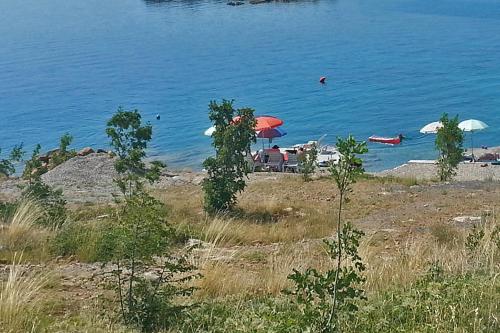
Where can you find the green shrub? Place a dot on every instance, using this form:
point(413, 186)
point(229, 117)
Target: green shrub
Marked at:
point(308, 162)
point(79, 239)
point(34, 168)
point(7, 209)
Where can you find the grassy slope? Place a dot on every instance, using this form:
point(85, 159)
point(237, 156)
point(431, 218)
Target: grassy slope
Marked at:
point(279, 227)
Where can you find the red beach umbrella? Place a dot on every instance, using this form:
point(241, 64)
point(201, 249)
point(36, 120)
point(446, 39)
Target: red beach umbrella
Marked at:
point(264, 122)
point(267, 122)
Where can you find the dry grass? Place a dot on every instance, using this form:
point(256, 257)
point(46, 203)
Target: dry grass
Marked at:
point(222, 279)
point(413, 259)
point(263, 270)
point(21, 299)
point(89, 320)
point(216, 235)
point(288, 209)
point(21, 234)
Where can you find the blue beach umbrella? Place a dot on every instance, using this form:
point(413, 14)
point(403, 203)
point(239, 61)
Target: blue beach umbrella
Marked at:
point(270, 134)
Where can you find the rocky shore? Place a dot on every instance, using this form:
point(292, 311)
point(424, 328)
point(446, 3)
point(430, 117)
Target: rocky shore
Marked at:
point(88, 178)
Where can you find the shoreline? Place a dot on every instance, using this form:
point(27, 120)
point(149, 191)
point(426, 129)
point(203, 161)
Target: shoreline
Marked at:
point(89, 179)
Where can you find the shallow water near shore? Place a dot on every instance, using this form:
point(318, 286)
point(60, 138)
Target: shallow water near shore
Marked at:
point(392, 66)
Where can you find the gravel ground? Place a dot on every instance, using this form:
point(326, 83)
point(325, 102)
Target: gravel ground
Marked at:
point(426, 171)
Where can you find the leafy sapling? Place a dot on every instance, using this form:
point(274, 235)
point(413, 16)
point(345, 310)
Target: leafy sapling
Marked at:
point(327, 296)
point(149, 279)
point(129, 139)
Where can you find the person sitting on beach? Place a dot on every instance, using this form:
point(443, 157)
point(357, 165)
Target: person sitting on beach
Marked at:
point(300, 152)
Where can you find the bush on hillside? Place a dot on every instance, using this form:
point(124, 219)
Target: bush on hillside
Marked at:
point(449, 141)
point(228, 168)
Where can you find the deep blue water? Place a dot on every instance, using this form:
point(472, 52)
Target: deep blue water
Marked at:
point(392, 66)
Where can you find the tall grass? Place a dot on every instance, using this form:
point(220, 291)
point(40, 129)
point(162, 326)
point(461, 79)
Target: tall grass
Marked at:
point(19, 233)
point(20, 299)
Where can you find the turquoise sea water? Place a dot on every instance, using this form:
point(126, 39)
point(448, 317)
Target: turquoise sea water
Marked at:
point(392, 67)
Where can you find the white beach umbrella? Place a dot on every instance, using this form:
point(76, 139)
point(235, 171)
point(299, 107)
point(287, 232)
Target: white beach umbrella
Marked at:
point(209, 131)
point(472, 125)
point(431, 128)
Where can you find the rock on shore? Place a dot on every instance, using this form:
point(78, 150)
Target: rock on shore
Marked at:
point(84, 178)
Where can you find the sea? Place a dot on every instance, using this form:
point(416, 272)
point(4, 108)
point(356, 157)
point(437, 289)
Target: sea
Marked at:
point(392, 66)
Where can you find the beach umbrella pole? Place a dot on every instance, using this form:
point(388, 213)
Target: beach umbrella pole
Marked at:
point(472, 145)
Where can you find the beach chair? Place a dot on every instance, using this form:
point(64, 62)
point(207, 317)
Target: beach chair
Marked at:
point(292, 163)
point(275, 161)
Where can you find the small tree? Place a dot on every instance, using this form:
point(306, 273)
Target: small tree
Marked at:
point(234, 133)
point(308, 162)
point(327, 296)
point(449, 142)
point(142, 238)
point(63, 154)
point(7, 164)
point(129, 139)
point(34, 167)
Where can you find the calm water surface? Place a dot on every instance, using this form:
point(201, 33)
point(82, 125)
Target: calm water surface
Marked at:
point(392, 66)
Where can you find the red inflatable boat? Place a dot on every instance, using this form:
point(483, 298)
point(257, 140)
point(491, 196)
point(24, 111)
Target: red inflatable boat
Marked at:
point(389, 141)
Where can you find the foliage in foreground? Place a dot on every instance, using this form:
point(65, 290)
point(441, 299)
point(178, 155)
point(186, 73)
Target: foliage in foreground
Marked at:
point(449, 141)
point(226, 171)
point(149, 279)
point(325, 297)
point(437, 303)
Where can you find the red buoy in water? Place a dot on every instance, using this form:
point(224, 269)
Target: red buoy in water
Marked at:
point(322, 79)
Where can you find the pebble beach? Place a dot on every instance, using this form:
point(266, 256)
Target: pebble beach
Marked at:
point(427, 170)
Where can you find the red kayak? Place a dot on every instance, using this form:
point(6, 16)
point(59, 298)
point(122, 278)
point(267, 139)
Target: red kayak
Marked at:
point(389, 141)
